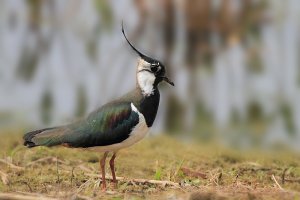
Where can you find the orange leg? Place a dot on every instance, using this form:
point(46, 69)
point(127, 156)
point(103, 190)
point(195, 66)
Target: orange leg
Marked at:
point(112, 167)
point(102, 165)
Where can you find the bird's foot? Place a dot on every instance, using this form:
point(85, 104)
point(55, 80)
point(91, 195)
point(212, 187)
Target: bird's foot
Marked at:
point(103, 186)
point(115, 185)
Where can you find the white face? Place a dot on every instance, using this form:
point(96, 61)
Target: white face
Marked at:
point(145, 78)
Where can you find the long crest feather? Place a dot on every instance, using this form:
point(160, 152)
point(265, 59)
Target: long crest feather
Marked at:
point(146, 58)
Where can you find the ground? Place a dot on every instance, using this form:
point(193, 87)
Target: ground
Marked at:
point(156, 168)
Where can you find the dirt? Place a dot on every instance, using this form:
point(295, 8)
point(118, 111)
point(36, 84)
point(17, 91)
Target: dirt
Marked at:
point(156, 168)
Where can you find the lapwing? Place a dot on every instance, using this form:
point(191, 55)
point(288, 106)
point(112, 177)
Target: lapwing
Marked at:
point(117, 124)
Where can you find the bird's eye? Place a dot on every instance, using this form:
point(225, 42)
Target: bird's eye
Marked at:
point(154, 68)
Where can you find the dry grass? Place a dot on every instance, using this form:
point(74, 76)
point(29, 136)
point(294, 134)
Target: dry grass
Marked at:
point(197, 171)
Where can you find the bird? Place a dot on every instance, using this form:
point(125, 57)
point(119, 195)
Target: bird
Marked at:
point(117, 124)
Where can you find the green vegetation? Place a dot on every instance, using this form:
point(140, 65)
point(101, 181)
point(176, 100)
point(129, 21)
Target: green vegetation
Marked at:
point(198, 171)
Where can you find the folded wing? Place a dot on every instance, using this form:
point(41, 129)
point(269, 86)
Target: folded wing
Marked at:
point(110, 124)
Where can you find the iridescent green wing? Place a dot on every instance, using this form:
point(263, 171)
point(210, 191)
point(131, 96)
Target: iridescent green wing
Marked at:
point(110, 124)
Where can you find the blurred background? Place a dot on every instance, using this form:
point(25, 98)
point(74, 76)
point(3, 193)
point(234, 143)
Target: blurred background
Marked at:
point(235, 65)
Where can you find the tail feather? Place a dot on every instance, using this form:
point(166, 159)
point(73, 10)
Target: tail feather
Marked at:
point(30, 137)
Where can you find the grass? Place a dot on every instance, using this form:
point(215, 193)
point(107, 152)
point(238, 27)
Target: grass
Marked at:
point(203, 171)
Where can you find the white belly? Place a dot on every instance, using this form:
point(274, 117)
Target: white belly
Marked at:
point(138, 133)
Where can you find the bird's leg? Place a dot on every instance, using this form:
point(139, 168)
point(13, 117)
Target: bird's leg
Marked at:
point(102, 165)
point(112, 167)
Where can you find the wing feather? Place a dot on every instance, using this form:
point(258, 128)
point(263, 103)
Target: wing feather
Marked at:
point(108, 125)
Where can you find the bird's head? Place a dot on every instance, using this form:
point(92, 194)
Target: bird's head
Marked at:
point(150, 72)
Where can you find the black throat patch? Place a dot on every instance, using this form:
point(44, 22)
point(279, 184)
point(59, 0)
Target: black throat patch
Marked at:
point(149, 106)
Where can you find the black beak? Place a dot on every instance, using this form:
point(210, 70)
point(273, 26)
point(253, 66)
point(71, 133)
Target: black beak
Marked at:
point(168, 80)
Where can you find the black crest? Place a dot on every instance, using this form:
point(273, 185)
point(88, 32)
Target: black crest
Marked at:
point(143, 56)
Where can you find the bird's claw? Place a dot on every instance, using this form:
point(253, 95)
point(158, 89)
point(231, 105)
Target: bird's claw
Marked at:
point(103, 188)
point(115, 185)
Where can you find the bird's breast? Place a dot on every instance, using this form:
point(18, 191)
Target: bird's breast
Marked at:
point(149, 107)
